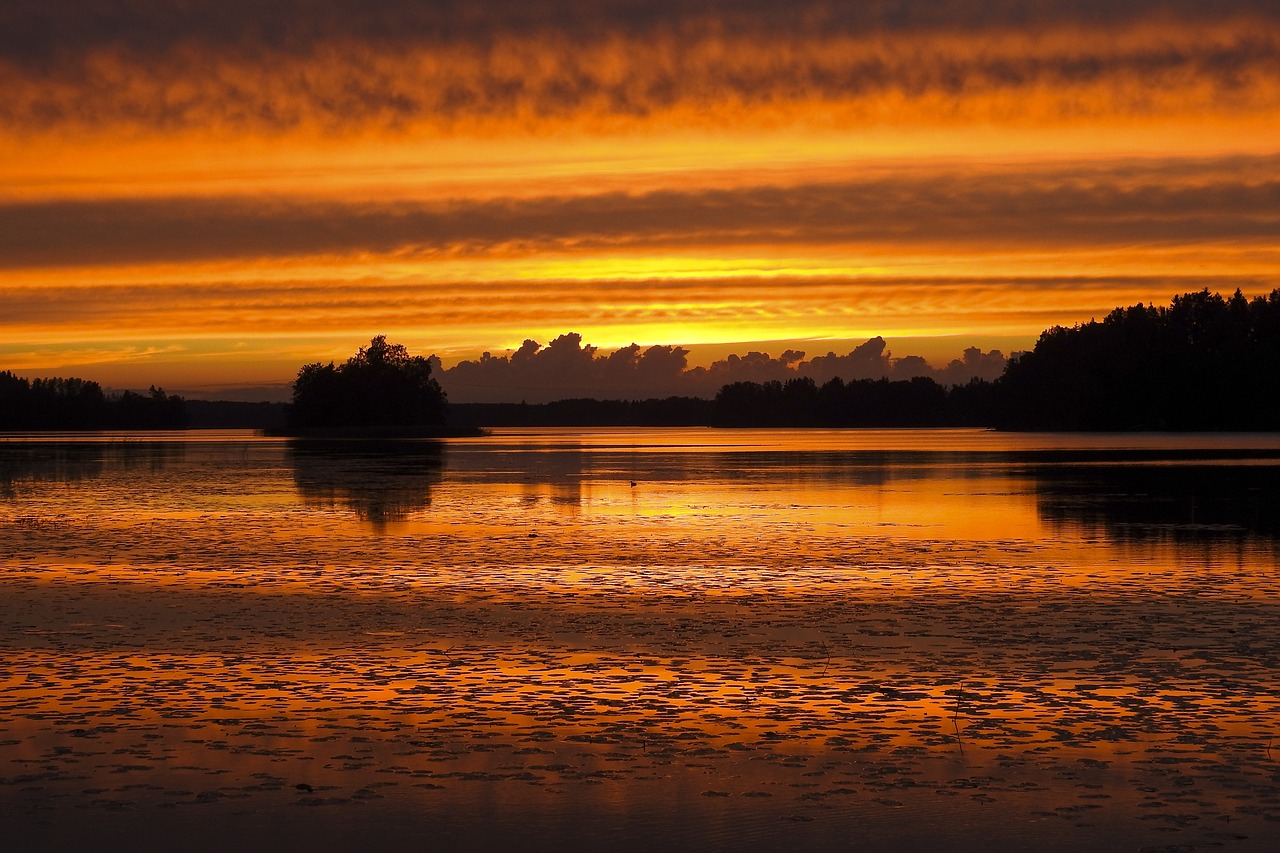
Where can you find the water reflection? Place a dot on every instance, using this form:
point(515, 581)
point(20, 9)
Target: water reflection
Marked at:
point(382, 482)
point(565, 467)
point(816, 635)
point(1172, 500)
point(1175, 494)
point(31, 465)
point(1131, 494)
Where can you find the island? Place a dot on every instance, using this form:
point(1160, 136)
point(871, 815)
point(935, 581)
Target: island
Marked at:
point(380, 392)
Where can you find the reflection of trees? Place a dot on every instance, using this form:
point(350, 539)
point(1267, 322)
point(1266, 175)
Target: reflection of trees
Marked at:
point(380, 481)
point(1179, 501)
point(29, 464)
point(564, 470)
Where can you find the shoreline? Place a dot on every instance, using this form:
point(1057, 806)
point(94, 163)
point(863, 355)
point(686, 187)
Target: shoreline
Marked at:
point(380, 433)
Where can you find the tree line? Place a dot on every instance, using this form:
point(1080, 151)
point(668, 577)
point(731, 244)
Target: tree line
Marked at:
point(1201, 363)
point(1204, 362)
point(79, 404)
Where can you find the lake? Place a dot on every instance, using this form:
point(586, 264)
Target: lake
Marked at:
point(687, 638)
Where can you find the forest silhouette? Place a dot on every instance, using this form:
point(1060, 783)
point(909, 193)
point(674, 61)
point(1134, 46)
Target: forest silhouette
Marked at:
point(1204, 362)
point(78, 404)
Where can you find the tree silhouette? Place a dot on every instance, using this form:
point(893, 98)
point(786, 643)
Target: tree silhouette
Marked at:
point(78, 404)
point(1204, 362)
point(382, 385)
point(918, 402)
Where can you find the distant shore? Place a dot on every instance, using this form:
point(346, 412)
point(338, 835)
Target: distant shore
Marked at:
point(347, 433)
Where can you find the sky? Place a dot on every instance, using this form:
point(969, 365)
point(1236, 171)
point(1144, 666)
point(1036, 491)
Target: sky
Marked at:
point(211, 193)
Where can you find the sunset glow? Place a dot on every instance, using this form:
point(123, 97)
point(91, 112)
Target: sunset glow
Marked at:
point(219, 196)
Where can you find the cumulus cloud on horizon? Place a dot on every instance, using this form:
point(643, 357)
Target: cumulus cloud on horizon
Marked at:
point(567, 368)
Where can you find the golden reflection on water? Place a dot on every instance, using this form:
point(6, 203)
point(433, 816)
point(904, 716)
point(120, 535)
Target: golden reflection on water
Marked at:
point(768, 638)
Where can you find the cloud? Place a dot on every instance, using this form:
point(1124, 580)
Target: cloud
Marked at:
point(455, 316)
point(341, 67)
point(870, 360)
point(1234, 200)
point(36, 31)
point(634, 169)
point(567, 368)
point(973, 363)
point(27, 362)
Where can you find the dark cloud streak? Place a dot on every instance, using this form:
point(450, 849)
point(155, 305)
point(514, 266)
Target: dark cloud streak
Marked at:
point(35, 32)
point(1230, 201)
point(177, 306)
point(276, 66)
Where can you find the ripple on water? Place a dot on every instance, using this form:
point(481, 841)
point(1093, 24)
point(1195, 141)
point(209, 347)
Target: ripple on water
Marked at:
point(699, 664)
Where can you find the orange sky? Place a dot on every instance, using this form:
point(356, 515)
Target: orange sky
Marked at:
point(217, 196)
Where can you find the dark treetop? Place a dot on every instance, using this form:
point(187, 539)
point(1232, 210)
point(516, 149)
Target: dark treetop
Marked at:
point(380, 387)
point(78, 404)
point(1203, 363)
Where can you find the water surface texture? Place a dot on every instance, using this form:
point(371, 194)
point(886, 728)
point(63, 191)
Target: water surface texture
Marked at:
point(869, 640)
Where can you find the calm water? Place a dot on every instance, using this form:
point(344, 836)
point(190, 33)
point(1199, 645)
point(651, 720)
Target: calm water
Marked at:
point(692, 637)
